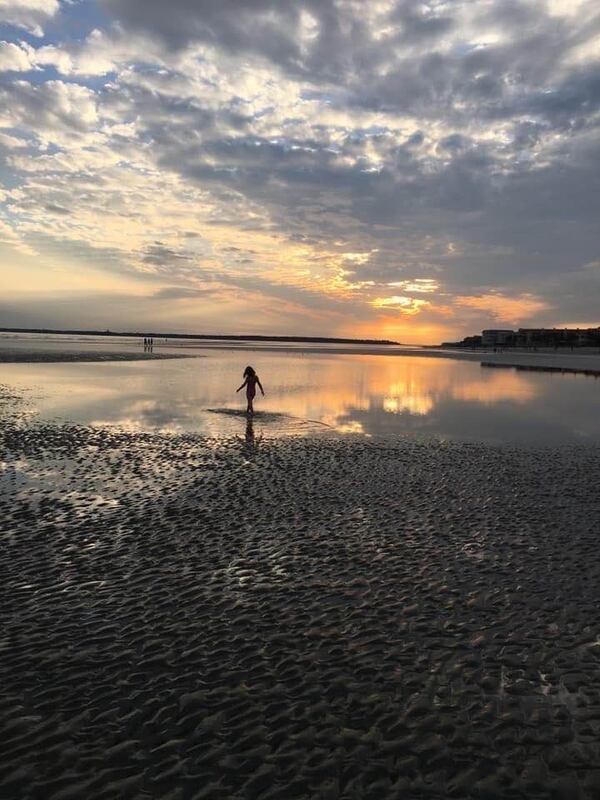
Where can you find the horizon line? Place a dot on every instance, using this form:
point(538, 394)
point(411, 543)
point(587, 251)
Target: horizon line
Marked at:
point(220, 336)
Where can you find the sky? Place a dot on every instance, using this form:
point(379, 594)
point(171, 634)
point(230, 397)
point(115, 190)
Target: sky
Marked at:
point(381, 169)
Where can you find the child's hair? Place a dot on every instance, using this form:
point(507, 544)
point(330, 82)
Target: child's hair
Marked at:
point(249, 372)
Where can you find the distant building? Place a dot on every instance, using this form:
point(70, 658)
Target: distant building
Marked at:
point(558, 337)
point(589, 337)
point(532, 338)
point(497, 338)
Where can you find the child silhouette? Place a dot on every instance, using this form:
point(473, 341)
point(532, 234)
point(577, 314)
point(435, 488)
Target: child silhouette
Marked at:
point(250, 381)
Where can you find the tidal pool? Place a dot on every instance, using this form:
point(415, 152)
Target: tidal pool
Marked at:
point(367, 395)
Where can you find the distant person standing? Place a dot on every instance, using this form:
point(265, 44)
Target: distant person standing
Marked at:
point(251, 380)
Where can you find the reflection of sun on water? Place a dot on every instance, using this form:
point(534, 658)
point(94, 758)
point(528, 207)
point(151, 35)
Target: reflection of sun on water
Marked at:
point(399, 386)
point(353, 426)
point(411, 404)
point(341, 391)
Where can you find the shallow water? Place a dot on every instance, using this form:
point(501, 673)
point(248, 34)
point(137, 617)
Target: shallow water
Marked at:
point(315, 393)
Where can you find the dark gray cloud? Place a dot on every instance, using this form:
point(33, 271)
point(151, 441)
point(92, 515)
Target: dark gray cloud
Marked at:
point(53, 208)
point(160, 255)
point(51, 107)
point(271, 29)
point(181, 293)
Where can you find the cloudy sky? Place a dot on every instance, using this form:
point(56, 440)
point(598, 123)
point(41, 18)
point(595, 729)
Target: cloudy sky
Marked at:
point(413, 170)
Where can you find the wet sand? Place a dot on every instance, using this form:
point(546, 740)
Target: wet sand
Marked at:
point(34, 355)
point(298, 618)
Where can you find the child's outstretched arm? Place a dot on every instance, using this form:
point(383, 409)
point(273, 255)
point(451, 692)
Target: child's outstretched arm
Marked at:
point(260, 387)
point(242, 386)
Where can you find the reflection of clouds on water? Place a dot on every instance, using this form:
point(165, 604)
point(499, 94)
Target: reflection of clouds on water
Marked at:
point(510, 386)
point(139, 415)
point(470, 421)
point(352, 394)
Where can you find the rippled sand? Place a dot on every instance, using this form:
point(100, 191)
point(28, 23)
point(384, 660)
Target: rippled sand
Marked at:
point(302, 618)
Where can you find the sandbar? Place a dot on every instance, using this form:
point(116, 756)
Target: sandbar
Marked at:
point(9, 355)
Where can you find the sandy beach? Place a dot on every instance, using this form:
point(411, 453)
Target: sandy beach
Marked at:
point(186, 617)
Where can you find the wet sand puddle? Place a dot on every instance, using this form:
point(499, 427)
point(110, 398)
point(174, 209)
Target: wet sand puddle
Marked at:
point(303, 618)
point(270, 423)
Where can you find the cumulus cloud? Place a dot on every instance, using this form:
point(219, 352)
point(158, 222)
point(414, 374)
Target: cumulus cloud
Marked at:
point(15, 57)
point(31, 15)
point(48, 109)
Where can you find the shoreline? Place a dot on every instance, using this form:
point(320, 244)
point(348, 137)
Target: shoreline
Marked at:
point(574, 370)
point(570, 362)
point(567, 361)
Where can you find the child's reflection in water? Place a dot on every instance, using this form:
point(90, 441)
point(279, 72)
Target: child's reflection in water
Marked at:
point(250, 441)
